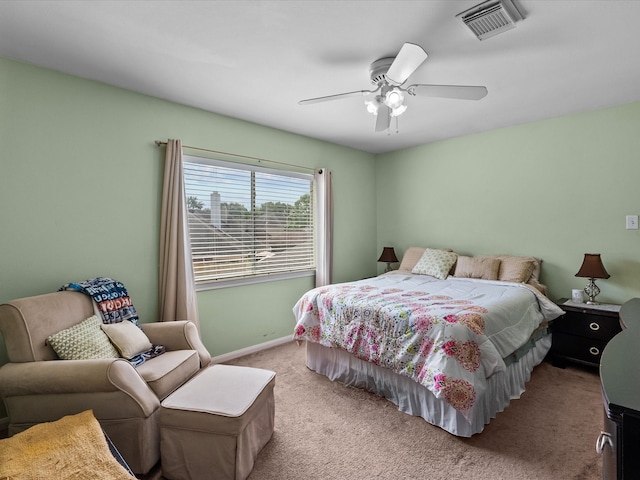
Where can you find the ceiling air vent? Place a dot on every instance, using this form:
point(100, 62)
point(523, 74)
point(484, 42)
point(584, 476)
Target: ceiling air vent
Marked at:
point(491, 18)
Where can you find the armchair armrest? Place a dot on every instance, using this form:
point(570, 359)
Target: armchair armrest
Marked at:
point(178, 335)
point(59, 377)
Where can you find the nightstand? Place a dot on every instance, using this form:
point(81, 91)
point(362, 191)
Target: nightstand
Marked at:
point(581, 334)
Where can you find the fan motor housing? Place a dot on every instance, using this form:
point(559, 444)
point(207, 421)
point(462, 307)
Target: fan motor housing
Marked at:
point(378, 70)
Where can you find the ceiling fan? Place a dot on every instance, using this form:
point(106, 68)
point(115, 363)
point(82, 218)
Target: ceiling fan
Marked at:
point(388, 75)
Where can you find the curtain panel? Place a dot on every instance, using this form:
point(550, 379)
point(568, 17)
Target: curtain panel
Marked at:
point(176, 283)
point(324, 232)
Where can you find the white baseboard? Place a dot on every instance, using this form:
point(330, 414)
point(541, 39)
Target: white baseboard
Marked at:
point(4, 423)
point(253, 349)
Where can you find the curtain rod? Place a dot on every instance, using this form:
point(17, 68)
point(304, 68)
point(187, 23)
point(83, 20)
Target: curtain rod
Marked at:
point(161, 143)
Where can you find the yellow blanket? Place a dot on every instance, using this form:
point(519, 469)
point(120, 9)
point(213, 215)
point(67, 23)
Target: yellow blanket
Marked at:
point(73, 447)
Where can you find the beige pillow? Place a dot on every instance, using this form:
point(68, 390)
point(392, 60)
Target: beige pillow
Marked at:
point(515, 269)
point(410, 258)
point(436, 263)
point(129, 339)
point(83, 341)
point(535, 274)
point(477, 267)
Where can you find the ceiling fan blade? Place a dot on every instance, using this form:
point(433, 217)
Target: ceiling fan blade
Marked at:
point(383, 119)
point(338, 96)
point(409, 58)
point(463, 92)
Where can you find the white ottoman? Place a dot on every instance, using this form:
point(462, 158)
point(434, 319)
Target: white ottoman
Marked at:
point(215, 425)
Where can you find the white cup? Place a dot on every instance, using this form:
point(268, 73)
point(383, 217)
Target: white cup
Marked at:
point(577, 295)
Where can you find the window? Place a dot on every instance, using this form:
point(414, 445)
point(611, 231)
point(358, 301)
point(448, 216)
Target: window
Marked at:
point(248, 223)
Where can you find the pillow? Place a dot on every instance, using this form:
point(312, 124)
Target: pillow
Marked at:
point(535, 274)
point(410, 258)
point(83, 341)
point(477, 267)
point(128, 338)
point(515, 269)
point(436, 263)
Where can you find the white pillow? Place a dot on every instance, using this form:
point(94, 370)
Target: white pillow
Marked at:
point(436, 263)
point(129, 339)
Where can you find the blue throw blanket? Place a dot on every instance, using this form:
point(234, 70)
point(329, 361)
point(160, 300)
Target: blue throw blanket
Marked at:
point(111, 297)
point(114, 305)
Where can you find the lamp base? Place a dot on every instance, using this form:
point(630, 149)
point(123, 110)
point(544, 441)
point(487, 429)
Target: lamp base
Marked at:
point(592, 291)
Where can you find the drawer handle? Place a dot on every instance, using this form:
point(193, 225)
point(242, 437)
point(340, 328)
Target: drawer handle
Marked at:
point(603, 440)
point(594, 326)
point(594, 350)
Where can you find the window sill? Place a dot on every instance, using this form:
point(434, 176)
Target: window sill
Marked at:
point(237, 282)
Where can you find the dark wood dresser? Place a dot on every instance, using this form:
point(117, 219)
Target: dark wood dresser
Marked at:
point(619, 442)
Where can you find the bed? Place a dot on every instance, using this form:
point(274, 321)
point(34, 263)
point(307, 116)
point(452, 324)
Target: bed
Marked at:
point(450, 338)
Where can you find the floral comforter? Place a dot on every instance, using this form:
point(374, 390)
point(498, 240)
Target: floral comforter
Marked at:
point(448, 335)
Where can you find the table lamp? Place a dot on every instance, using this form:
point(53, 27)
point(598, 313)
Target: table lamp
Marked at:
point(592, 268)
point(389, 256)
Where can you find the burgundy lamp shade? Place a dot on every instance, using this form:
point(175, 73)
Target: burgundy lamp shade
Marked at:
point(388, 255)
point(592, 267)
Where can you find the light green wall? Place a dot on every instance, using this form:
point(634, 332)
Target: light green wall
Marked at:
point(555, 189)
point(80, 189)
point(80, 186)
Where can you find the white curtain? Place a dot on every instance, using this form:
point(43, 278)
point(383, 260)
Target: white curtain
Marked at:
point(324, 228)
point(177, 287)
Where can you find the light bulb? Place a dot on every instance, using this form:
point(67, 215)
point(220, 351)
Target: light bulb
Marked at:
point(395, 112)
point(372, 105)
point(393, 98)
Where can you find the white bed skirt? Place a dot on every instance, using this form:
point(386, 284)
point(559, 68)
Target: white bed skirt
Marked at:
point(414, 399)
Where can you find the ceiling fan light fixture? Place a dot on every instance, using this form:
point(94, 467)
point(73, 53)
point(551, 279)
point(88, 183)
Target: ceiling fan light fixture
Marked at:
point(396, 112)
point(393, 98)
point(372, 105)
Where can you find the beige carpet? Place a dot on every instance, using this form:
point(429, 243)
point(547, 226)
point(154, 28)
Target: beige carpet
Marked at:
point(325, 430)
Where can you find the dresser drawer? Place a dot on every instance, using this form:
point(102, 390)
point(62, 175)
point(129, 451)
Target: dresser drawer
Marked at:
point(587, 350)
point(587, 325)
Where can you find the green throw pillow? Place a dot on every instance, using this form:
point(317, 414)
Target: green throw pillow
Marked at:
point(436, 263)
point(83, 341)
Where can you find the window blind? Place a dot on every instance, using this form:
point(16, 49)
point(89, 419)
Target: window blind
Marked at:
point(247, 221)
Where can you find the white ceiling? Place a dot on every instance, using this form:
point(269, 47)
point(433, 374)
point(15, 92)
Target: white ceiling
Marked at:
point(255, 60)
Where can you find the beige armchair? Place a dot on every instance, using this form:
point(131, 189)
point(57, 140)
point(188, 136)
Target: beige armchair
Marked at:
point(37, 387)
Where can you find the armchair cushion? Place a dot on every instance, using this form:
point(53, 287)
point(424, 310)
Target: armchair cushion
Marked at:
point(167, 372)
point(128, 338)
point(83, 341)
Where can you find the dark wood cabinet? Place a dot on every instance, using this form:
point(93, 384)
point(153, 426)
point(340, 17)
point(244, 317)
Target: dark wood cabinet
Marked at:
point(619, 441)
point(581, 334)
